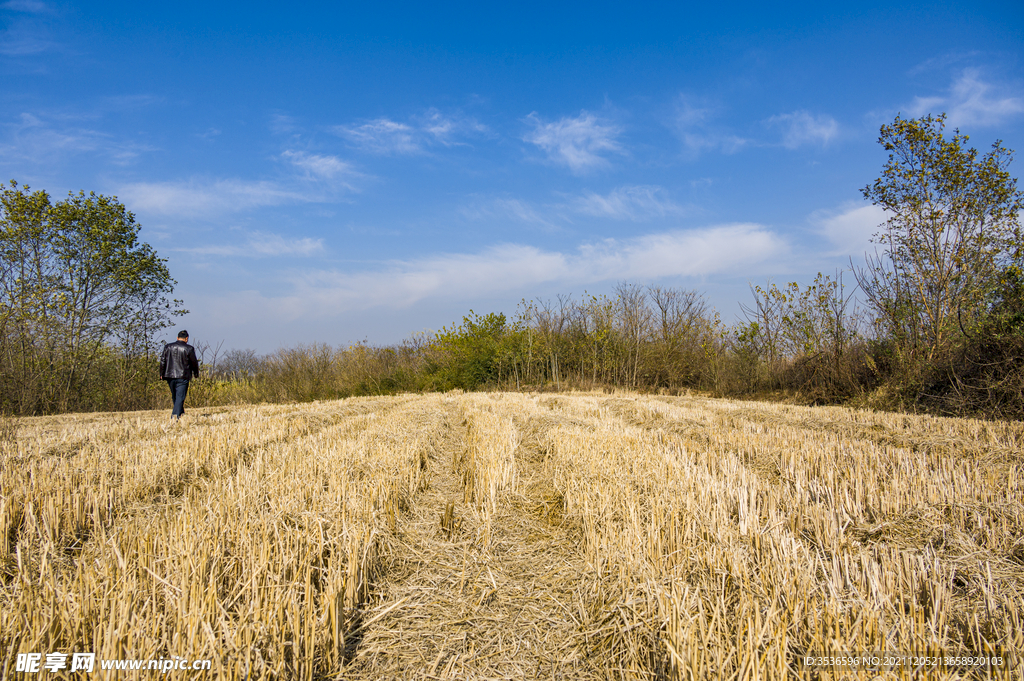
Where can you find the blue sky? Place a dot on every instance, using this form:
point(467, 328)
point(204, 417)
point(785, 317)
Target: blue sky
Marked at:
point(336, 173)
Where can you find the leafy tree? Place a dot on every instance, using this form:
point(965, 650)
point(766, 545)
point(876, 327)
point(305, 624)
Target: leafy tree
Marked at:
point(1006, 313)
point(76, 283)
point(467, 356)
point(26, 277)
point(597, 315)
point(953, 228)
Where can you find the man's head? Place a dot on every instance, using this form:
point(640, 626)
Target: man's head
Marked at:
point(183, 335)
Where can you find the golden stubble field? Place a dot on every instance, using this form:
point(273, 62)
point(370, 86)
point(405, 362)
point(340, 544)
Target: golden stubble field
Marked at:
point(506, 535)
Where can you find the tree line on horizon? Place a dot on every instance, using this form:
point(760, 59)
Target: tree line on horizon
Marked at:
point(932, 321)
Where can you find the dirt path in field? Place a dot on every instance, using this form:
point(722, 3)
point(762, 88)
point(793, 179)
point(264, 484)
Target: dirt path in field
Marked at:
point(470, 599)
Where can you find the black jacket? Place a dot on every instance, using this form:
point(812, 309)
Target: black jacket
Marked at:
point(179, 361)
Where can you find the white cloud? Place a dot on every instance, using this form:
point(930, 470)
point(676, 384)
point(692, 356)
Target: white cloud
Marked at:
point(522, 211)
point(506, 208)
point(850, 228)
point(691, 115)
point(689, 253)
point(382, 136)
point(260, 244)
point(388, 137)
point(694, 123)
point(575, 142)
point(801, 127)
point(196, 198)
point(634, 203)
point(36, 140)
point(327, 177)
point(724, 249)
point(320, 167)
point(973, 101)
point(446, 129)
point(438, 126)
point(941, 62)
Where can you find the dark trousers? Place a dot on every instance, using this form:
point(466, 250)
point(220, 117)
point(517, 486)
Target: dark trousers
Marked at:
point(179, 388)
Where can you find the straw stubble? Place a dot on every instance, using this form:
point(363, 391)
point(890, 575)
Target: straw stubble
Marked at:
point(513, 536)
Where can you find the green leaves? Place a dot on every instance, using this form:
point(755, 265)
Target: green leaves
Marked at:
point(75, 282)
point(954, 226)
point(467, 356)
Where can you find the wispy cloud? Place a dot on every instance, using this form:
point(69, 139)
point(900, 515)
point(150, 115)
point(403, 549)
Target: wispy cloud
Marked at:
point(27, 32)
point(449, 129)
point(511, 268)
point(282, 124)
point(27, 6)
point(197, 198)
point(849, 228)
point(389, 137)
point(803, 128)
point(691, 113)
point(971, 100)
point(260, 245)
point(322, 167)
point(321, 178)
point(122, 103)
point(635, 203)
point(695, 123)
point(37, 140)
point(940, 62)
point(522, 211)
point(21, 41)
point(505, 208)
point(575, 142)
point(382, 136)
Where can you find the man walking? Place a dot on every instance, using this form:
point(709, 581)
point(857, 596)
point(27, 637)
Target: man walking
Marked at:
point(178, 364)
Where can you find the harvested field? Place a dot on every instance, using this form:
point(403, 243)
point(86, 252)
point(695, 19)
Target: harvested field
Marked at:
point(508, 536)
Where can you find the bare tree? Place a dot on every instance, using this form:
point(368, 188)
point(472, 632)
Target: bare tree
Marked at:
point(682, 325)
point(635, 319)
point(764, 331)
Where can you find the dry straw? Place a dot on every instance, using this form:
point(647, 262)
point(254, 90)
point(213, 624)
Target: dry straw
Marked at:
point(513, 536)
